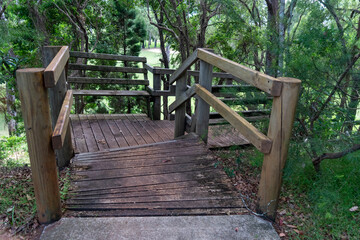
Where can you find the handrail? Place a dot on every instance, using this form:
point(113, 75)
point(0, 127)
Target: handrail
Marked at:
point(252, 134)
point(54, 69)
point(184, 67)
point(106, 56)
point(62, 122)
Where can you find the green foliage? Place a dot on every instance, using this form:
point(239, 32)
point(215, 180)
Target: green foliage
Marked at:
point(13, 151)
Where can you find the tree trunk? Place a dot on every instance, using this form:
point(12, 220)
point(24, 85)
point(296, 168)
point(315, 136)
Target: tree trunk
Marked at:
point(272, 49)
point(10, 109)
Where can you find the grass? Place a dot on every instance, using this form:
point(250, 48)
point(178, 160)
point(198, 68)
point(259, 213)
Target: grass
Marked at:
point(3, 126)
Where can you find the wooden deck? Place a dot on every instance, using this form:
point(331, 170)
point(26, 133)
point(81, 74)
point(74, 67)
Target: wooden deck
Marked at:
point(92, 133)
point(177, 177)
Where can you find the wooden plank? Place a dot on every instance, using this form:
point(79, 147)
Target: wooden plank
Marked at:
point(88, 134)
point(233, 88)
point(105, 56)
point(149, 67)
point(280, 126)
point(180, 121)
point(56, 98)
point(203, 108)
point(156, 99)
point(58, 136)
point(184, 67)
point(182, 99)
point(124, 130)
point(165, 135)
point(109, 137)
point(243, 101)
point(103, 68)
point(78, 134)
point(122, 81)
point(222, 121)
point(137, 136)
point(150, 130)
point(119, 136)
point(262, 81)
point(98, 134)
point(110, 93)
point(53, 71)
point(258, 139)
point(36, 114)
point(144, 134)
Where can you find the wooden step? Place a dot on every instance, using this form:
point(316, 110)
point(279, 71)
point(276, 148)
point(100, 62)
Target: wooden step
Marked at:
point(110, 93)
point(92, 80)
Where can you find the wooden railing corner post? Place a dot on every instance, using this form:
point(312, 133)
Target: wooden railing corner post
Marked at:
point(202, 108)
point(280, 126)
point(37, 120)
point(180, 118)
point(56, 96)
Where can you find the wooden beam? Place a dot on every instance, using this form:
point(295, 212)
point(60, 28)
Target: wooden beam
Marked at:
point(105, 56)
point(56, 67)
point(203, 108)
point(149, 67)
point(62, 123)
point(258, 139)
point(56, 98)
point(262, 81)
point(110, 93)
point(36, 114)
point(280, 126)
point(184, 67)
point(122, 81)
point(180, 121)
point(157, 99)
point(182, 99)
point(103, 68)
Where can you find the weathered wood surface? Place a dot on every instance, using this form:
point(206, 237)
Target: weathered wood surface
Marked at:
point(62, 123)
point(88, 138)
point(262, 81)
point(258, 139)
point(103, 68)
point(105, 56)
point(184, 67)
point(110, 93)
point(54, 70)
point(175, 177)
point(37, 121)
point(121, 81)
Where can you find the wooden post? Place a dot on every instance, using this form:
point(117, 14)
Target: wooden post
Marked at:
point(157, 100)
point(36, 114)
point(202, 108)
point(180, 119)
point(280, 126)
point(57, 95)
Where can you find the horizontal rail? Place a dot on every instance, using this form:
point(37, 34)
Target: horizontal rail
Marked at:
point(103, 68)
point(247, 113)
point(107, 81)
point(62, 122)
point(262, 81)
point(124, 93)
point(182, 98)
point(253, 135)
point(107, 56)
point(55, 68)
point(222, 121)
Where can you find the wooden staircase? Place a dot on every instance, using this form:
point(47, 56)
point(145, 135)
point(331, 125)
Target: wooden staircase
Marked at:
point(177, 177)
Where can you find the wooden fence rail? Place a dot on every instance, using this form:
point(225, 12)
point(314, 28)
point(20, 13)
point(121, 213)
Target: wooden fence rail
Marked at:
point(275, 145)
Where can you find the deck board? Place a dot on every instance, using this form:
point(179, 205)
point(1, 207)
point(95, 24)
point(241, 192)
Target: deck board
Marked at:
point(92, 133)
point(176, 177)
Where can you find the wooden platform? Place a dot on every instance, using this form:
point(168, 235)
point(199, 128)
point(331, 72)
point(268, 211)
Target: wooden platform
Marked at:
point(92, 133)
point(176, 177)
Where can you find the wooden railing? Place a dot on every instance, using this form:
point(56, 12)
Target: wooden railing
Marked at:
point(274, 146)
point(43, 113)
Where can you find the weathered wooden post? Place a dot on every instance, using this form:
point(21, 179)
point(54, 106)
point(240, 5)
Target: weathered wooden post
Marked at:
point(157, 99)
point(180, 119)
point(57, 94)
point(36, 114)
point(280, 126)
point(202, 108)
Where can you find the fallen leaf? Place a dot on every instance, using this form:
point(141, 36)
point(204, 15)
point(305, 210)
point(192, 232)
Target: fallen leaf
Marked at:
point(282, 235)
point(291, 226)
point(236, 229)
point(299, 232)
point(354, 208)
point(283, 212)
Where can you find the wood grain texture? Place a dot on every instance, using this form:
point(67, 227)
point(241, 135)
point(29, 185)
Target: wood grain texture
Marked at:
point(102, 68)
point(58, 136)
point(88, 80)
point(182, 99)
point(280, 127)
point(56, 67)
point(180, 121)
point(36, 114)
point(110, 93)
point(258, 139)
point(262, 81)
point(106, 56)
